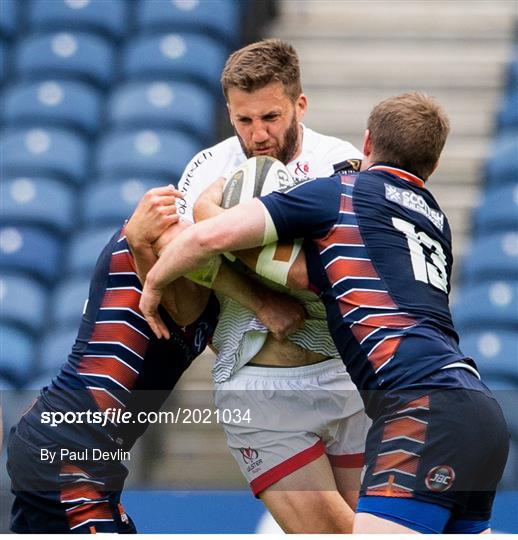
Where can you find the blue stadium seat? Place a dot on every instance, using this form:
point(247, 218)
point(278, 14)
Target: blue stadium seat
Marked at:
point(66, 55)
point(502, 166)
point(219, 18)
point(160, 153)
point(496, 355)
point(113, 201)
point(54, 348)
point(187, 56)
point(498, 210)
point(44, 152)
point(42, 379)
point(492, 256)
point(17, 354)
point(39, 201)
point(31, 250)
point(173, 105)
point(108, 18)
point(512, 74)
point(68, 104)
point(493, 302)
point(6, 385)
point(84, 249)
point(9, 18)
point(23, 302)
point(508, 115)
point(3, 62)
point(68, 301)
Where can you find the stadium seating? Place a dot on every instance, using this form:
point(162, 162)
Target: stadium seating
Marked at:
point(54, 348)
point(498, 210)
point(17, 354)
point(160, 104)
point(68, 301)
point(60, 103)
point(46, 202)
point(219, 18)
point(113, 201)
point(502, 167)
point(3, 62)
point(9, 18)
point(42, 152)
point(42, 379)
point(31, 250)
point(496, 355)
point(192, 57)
point(84, 249)
point(508, 116)
point(512, 74)
point(108, 18)
point(494, 301)
point(23, 302)
point(66, 55)
point(159, 153)
point(6, 385)
point(490, 257)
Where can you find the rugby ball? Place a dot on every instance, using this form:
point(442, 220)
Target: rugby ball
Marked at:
point(255, 177)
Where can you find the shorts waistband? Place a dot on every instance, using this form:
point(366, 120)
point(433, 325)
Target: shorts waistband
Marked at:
point(292, 372)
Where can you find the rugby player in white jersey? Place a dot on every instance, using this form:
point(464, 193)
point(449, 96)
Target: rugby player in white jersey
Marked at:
point(302, 452)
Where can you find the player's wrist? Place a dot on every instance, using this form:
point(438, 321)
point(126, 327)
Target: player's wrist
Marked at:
point(136, 241)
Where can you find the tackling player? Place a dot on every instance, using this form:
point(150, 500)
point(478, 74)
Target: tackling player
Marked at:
point(303, 461)
point(116, 365)
point(378, 250)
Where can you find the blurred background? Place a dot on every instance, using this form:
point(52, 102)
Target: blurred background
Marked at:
point(101, 100)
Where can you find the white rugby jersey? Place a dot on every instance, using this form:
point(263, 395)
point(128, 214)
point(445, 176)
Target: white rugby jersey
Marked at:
point(240, 335)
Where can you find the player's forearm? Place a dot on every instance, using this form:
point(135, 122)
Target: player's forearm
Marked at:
point(206, 209)
point(183, 255)
point(143, 255)
point(189, 300)
point(183, 300)
point(240, 287)
point(241, 227)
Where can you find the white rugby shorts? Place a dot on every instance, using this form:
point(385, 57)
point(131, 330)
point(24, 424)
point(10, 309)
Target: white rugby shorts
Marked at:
point(278, 420)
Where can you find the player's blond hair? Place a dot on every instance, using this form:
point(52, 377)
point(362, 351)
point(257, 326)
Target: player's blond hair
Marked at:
point(409, 131)
point(259, 64)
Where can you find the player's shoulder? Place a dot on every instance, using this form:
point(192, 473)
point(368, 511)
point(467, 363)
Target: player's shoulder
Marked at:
point(327, 144)
point(218, 152)
point(208, 160)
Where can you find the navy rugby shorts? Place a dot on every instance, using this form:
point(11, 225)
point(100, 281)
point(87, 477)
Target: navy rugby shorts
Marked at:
point(62, 497)
point(434, 456)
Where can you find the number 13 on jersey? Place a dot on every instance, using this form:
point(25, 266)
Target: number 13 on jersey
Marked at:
point(433, 270)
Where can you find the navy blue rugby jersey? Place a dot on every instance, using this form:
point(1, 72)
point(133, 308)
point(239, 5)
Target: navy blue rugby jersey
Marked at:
point(378, 251)
point(116, 361)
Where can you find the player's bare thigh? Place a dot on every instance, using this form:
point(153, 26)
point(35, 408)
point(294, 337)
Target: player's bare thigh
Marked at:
point(348, 484)
point(308, 501)
point(285, 353)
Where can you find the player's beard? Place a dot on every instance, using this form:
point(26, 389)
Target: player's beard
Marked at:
point(287, 151)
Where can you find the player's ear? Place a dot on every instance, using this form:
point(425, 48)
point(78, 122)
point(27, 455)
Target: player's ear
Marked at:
point(367, 143)
point(301, 106)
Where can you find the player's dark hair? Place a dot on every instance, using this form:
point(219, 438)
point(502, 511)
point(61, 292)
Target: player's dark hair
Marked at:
point(409, 131)
point(259, 64)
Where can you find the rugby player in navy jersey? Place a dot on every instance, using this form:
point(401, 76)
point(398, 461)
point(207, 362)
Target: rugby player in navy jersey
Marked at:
point(64, 456)
point(378, 251)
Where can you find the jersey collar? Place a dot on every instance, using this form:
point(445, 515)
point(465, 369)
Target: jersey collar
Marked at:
point(400, 173)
